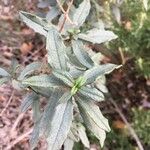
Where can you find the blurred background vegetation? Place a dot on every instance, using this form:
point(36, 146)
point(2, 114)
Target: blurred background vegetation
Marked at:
point(130, 87)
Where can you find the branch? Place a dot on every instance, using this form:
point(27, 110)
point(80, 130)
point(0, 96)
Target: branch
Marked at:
point(132, 131)
point(20, 138)
point(16, 123)
point(66, 16)
point(12, 94)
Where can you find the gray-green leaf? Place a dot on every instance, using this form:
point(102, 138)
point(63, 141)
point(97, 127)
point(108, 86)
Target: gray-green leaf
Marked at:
point(29, 69)
point(65, 97)
point(36, 109)
point(92, 93)
point(100, 84)
point(36, 23)
point(4, 73)
point(97, 36)
point(68, 144)
point(61, 124)
point(73, 133)
point(56, 50)
point(27, 101)
point(35, 135)
point(53, 12)
point(116, 13)
point(46, 92)
point(37, 120)
point(93, 127)
point(81, 54)
point(3, 80)
point(92, 111)
point(64, 76)
point(75, 73)
point(83, 136)
point(91, 74)
point(82, 12)
point(45, 123)
point(145, 3)
point(74, 61)
point(47, 81)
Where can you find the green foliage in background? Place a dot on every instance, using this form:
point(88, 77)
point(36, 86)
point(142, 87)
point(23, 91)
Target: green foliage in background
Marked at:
point(141, 124)
point(134, 33)
point(73, 85)
point(130, 20)
point(118, 141)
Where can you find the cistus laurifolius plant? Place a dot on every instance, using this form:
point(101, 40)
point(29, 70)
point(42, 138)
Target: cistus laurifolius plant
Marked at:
point(71, 88)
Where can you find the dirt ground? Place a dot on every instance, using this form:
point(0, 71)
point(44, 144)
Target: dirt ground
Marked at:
point(126, 86)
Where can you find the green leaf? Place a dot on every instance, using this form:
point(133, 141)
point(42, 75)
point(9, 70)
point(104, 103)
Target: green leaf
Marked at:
point(81, 54)
point(91, 74)
point(29, 69)
point(4, 73)
point(61, 124)
point(56, 50)
point(45, 123)
point(64, 76)
point(83, 136)
point(27, 101)
point(47, 81)
point(82, 12)
point(38, 24)
point(97, 36)
point(68, 144)
point(92, 111)
point(92, 93)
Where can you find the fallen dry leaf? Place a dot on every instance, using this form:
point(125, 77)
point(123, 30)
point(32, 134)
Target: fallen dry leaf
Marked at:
point(128, 25)
point(119, 124)
point(26, 48)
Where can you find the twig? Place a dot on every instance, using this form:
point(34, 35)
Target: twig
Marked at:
point(62, 26)
point(133, 133)
point(65, 15)
point(20, 138)
point(122, 55)
point(12, 94)
point(65, 12)
point(16, 123)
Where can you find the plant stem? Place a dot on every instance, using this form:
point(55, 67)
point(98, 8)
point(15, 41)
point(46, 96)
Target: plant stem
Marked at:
point(132, 131)
point(12, 94)
point(122, 55)
point(66, 16)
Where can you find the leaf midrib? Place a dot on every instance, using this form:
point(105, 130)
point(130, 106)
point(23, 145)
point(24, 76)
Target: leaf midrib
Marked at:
point(60, 125)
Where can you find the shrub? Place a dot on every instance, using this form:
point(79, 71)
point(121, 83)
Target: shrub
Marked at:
point(71, 87)
point(130, 20)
